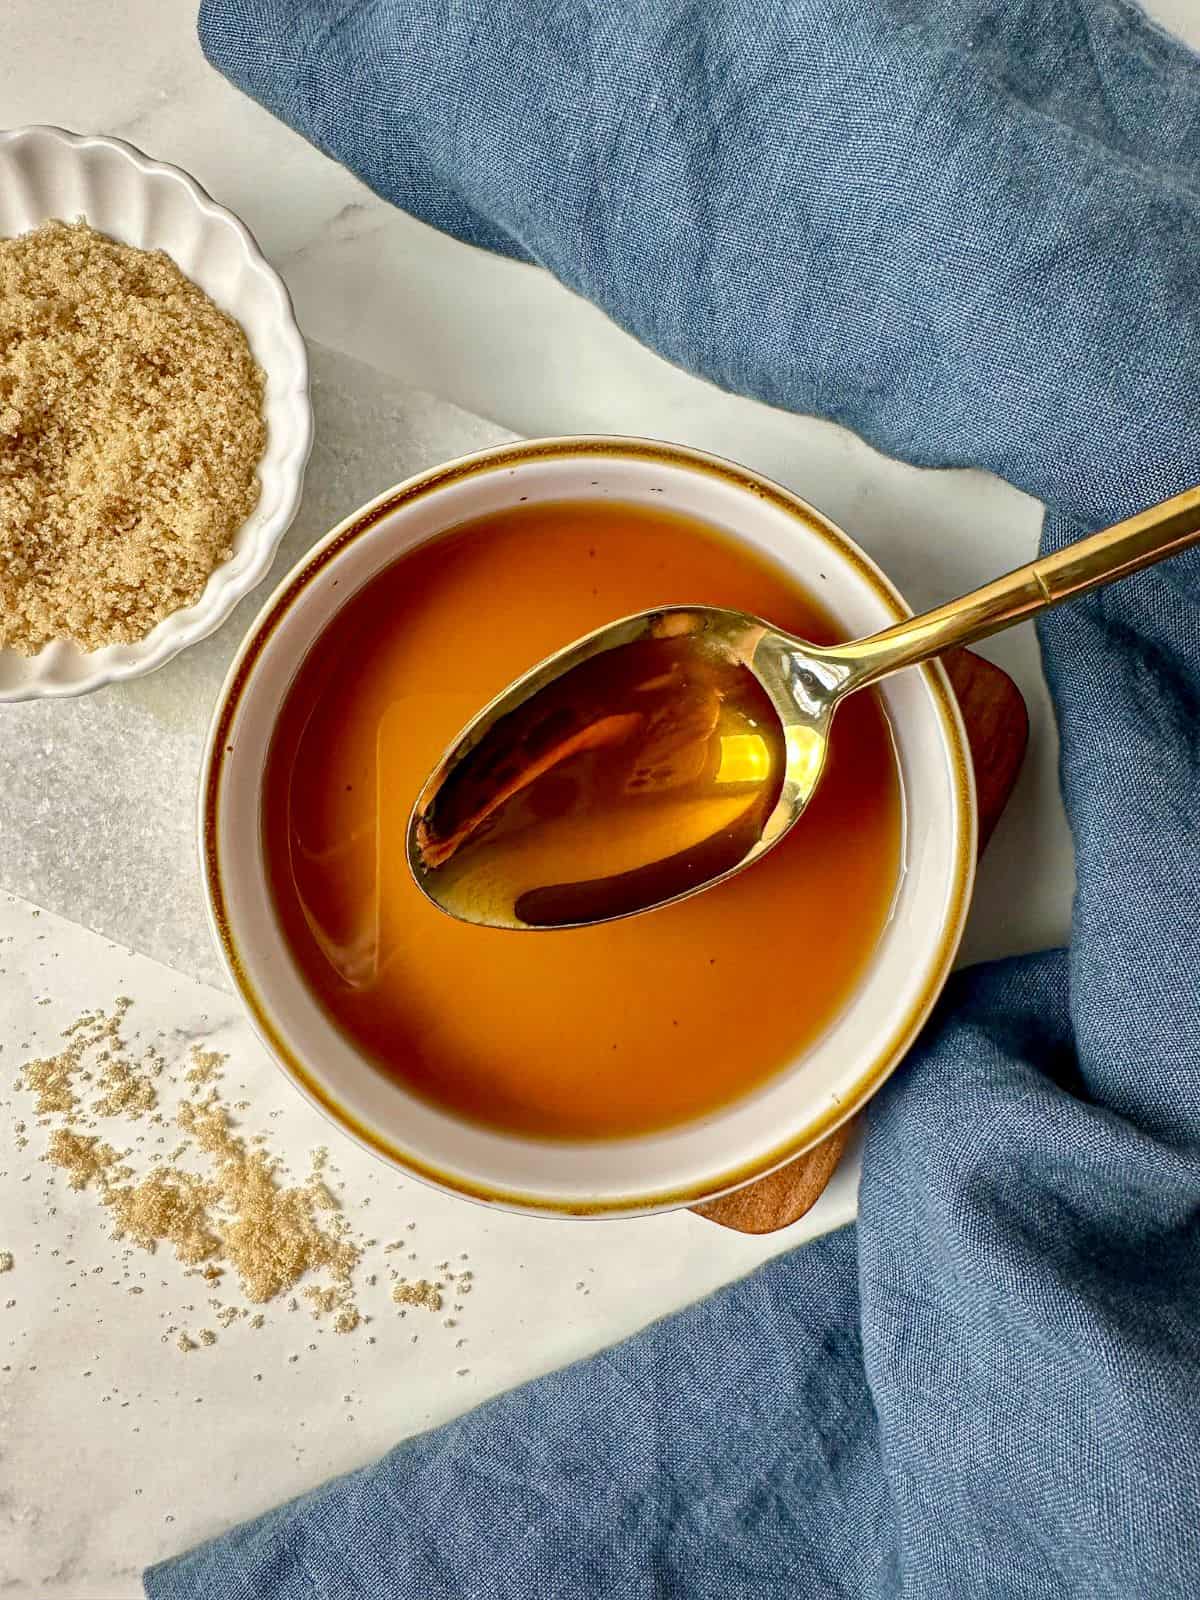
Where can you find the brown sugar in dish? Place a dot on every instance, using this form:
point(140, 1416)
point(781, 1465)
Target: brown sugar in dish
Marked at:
point(131, 428)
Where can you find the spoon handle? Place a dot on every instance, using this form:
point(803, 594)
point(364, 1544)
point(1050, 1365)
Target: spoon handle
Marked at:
point(1087, 564)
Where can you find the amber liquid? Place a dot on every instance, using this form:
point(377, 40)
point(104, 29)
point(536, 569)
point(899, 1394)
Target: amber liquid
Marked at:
point(598, 1032)
point(634, 777)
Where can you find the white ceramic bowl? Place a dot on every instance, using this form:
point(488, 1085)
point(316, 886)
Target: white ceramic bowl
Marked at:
point(786, 1115)
point(47, 172)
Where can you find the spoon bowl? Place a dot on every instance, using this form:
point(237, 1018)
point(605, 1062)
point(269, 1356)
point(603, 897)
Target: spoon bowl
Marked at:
point(576, 877)
point(665, 752)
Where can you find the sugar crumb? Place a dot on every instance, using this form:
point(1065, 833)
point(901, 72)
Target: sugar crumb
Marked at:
point(422, 1293)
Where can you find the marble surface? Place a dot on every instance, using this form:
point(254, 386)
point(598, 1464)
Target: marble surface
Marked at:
point(116, 1449)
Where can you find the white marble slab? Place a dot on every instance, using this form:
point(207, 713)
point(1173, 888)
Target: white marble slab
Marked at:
point(118, 1449)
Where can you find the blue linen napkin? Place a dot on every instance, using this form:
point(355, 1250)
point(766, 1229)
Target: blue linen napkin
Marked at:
point(970, 230)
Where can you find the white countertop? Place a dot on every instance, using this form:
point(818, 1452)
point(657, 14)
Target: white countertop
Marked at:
point(91, 1489)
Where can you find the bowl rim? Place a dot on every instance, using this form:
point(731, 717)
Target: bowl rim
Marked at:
point(241, 670)
point(290, 470)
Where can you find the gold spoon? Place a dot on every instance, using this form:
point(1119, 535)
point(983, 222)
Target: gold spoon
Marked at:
point(665, 752)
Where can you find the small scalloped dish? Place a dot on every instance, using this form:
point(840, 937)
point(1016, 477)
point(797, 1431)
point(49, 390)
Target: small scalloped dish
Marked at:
point(46, 173)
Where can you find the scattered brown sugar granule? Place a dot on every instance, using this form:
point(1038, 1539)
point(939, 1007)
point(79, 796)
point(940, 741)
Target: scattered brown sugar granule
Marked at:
point(85, 1159)
point(168, 1206)
point(422, 1293)
point(221, 1202)
point(6, 1260)
point(235, 1212)
point(50, 1078)
point(204, 1066)
point(269, 1233)
point(127, 1092)
point(321, 1300)
point(130, 432)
